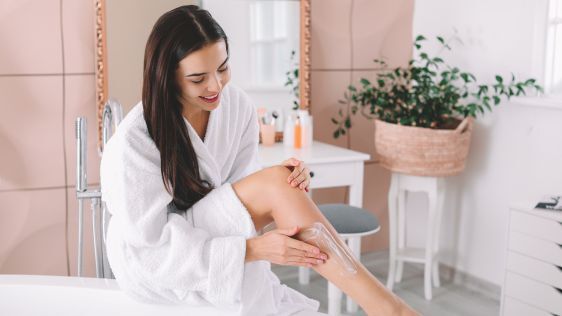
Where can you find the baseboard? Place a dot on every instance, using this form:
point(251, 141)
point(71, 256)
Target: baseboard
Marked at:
point(473, 283)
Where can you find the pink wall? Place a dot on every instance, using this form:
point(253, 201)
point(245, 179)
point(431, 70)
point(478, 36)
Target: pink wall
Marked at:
point(346, 37)
point(46, 81)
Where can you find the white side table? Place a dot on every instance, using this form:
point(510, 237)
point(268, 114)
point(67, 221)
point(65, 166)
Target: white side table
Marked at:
point(399, 186)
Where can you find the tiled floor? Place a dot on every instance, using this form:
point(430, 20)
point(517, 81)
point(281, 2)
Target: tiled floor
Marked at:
point(448, 300)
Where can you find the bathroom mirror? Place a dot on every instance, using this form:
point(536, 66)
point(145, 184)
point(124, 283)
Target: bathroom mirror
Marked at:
point(262, 36)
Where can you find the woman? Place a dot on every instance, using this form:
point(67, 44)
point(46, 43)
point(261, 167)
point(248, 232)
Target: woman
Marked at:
point(181, 179)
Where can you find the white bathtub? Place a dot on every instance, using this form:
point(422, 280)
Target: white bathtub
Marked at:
point(60, 296)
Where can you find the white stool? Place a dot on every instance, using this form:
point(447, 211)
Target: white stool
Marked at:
point(351, 223)
point(434, 187)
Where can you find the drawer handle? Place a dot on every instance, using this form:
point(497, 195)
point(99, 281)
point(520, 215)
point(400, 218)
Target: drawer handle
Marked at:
point(312, 174)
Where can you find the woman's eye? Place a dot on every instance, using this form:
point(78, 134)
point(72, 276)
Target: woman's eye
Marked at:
point(197, 81)
point(223, 69)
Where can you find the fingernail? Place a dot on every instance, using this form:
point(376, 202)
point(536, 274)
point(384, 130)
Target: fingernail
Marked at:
point(319, 261)
point(324, 257)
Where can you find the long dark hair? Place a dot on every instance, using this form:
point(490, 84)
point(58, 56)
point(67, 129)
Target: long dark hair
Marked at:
point(176, 34)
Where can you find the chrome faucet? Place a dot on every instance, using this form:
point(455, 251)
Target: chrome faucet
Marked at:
point(112, 115)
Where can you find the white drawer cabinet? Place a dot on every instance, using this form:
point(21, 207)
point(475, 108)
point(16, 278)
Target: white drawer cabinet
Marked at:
point(327, 175)
point(533, 277)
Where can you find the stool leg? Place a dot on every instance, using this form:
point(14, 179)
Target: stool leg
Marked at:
point(435, 274)
point(432, 212)
point(354, 244)
point(402, 197)
point(392, 231)
point(304, 275)
point(439, 216)
point(334, 300)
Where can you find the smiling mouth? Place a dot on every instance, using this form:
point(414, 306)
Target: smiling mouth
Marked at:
point(210, 99)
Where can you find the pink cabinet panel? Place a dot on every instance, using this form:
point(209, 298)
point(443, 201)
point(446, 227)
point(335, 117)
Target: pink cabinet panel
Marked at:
point(382, 29)
point(330, 34)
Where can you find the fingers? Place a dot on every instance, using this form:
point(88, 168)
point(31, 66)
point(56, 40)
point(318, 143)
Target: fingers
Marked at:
point(295, 256)
point(301, 245)
point(291, 163)
point(296, 172)
point(299, 175)
point(303, 179)
point(303, 261)
point(292, 252)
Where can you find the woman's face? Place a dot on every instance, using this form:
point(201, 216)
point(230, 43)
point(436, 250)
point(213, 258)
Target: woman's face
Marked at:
point(201, 76)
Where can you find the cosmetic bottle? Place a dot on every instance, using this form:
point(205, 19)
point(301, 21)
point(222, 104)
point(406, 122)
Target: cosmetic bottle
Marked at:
point(289, 131)
point(298, 133)
point(306, 128)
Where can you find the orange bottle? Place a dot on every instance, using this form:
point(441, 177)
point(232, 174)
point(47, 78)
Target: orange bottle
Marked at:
point(298, 134)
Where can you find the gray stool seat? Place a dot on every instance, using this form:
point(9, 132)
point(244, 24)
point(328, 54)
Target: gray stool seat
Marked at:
point(348, 219)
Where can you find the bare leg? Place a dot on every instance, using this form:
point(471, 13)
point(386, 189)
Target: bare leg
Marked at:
point(268, 197)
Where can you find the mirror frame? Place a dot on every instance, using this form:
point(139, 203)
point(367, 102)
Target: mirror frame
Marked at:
point(101, 70)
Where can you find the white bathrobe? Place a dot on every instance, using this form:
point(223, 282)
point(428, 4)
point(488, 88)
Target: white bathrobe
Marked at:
point(161, 255)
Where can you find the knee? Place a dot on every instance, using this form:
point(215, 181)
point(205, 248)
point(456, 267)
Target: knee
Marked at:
point(275, 178)
point(276, 174)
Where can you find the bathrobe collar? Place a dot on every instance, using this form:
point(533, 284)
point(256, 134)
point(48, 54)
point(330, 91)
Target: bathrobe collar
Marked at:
point(208, 166)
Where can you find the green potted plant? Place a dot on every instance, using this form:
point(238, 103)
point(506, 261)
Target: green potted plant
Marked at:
point(423, 113)
point(293, 80)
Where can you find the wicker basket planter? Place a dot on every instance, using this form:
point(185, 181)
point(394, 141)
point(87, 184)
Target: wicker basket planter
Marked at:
point(423, 151)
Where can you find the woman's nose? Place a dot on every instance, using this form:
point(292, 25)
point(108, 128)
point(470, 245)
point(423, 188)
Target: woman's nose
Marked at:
point(215, 84)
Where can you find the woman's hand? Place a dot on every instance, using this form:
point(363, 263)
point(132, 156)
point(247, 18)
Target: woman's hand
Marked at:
point(278, 247)
point(300, 175)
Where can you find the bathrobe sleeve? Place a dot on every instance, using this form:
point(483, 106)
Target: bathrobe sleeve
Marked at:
point(159, 256)
point(247, 159)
